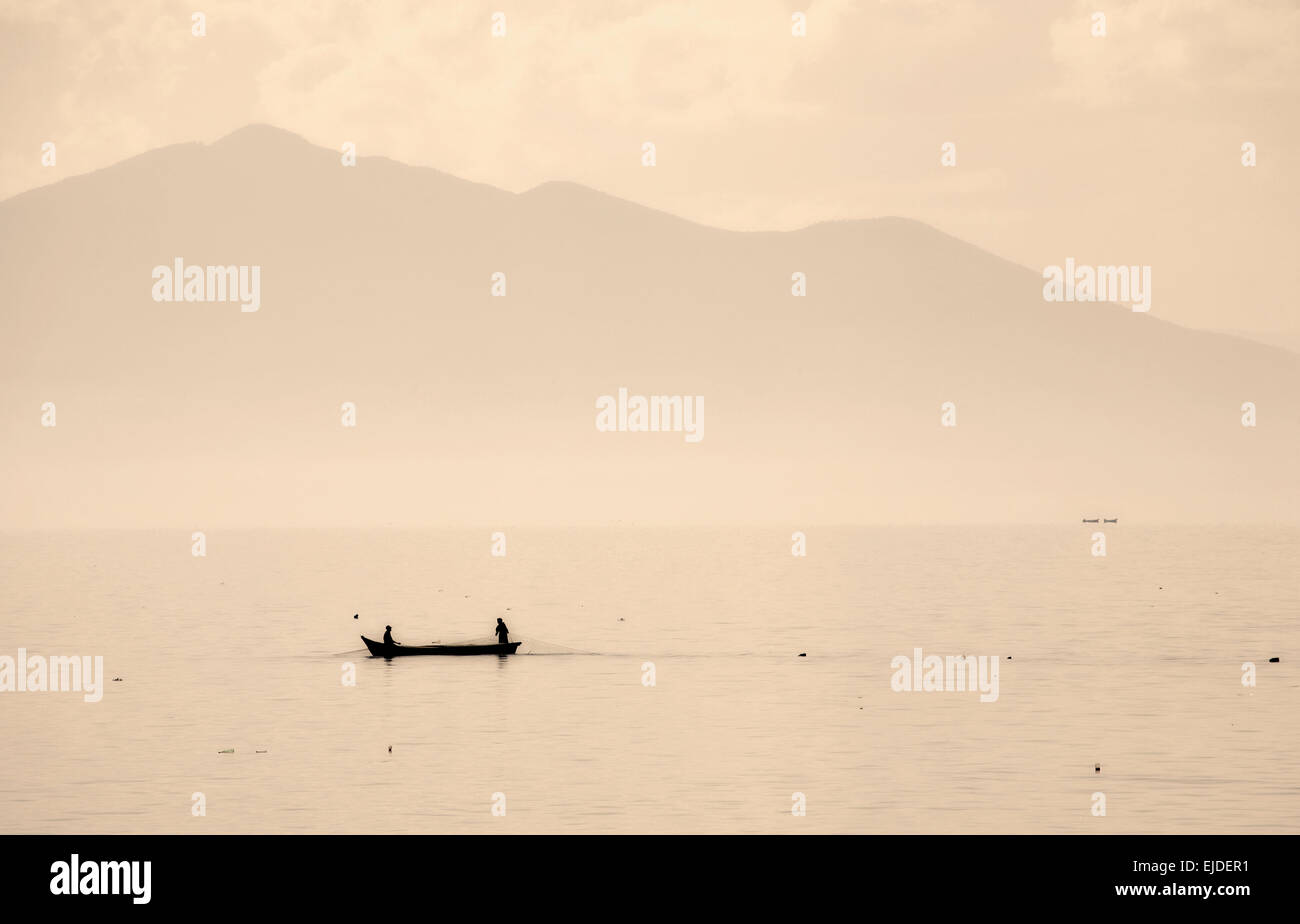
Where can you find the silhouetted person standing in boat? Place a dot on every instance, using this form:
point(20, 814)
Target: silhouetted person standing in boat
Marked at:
point(502, 631)
point(388, 636)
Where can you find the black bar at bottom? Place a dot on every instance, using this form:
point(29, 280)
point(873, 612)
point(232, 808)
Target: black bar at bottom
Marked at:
point(334, 873)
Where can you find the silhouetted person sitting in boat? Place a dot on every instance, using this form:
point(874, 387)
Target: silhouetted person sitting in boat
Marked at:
point(502, 631)
point(388, 636)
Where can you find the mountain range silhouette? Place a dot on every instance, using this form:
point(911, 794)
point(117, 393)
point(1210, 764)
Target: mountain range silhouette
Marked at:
point(376, 289)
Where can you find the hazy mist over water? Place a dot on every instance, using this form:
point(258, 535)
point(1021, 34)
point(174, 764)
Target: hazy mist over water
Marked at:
point(1132, 661)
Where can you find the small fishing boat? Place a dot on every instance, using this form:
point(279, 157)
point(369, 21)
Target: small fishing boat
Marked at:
point(380, 650)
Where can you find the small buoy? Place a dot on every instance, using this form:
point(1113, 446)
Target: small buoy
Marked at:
point(1274, 660)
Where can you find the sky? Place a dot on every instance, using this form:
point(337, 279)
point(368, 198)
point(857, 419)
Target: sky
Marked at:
point(1123, 148)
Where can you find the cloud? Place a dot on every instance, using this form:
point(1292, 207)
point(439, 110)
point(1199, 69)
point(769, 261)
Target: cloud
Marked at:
point(1155, 50)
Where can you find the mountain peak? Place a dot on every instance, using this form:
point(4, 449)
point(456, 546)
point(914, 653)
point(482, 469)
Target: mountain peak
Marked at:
point(259, 133)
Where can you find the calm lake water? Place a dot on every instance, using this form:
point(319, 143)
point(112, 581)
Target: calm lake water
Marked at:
point(1132, 661)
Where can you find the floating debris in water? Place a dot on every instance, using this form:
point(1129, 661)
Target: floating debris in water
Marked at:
point(227, 751)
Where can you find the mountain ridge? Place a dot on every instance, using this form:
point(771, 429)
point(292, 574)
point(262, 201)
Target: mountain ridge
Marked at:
point(376, 289)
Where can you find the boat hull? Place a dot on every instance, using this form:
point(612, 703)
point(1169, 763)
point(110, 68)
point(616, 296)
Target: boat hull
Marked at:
point(380, 650)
